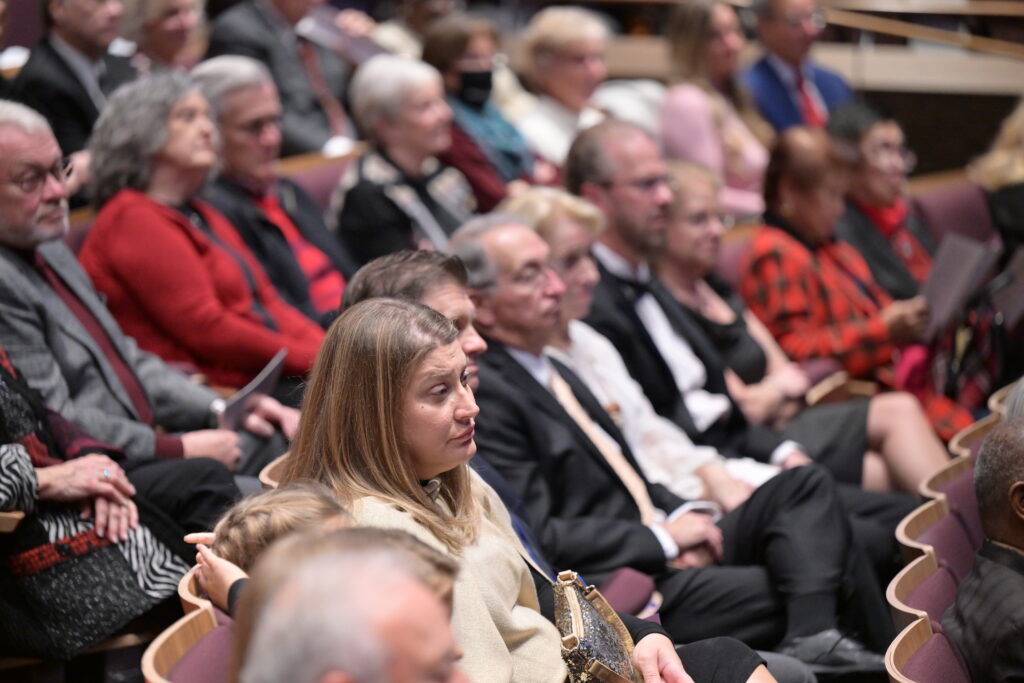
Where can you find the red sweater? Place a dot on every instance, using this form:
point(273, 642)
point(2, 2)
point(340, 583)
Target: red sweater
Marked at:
point(186, 299)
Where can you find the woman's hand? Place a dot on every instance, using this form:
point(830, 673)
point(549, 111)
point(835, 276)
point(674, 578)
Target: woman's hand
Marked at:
point(112, 520)
point(83, 479)
point(658, 661)
point(216, 575)
point(791, 380)
point(907, 320)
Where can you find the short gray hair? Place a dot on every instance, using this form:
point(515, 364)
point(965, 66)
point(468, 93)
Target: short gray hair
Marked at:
point(553, 29)
point(467, 244)
point(26, 119)
point(221, 76)
point(1015, 401)
point(300, 635)
point(131, 130)
point(999, 466)
point(379, 88)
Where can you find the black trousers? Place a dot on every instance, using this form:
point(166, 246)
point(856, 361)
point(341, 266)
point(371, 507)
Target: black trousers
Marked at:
point(791, 538)
point(192, 492)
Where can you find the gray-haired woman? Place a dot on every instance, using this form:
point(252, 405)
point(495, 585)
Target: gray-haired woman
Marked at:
point(398, 195)
point(176, 274)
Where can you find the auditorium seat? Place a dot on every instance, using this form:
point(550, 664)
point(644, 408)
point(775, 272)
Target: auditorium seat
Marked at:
point(955, 483)
point(959, 207)
point(735, 245)
point(931, 528)
point(920, 590)
point(270, 475)
point(969, 439)
point(997, 401)
point(917, 655)
point(190, 593)
point(194, 649)
point(317, 174)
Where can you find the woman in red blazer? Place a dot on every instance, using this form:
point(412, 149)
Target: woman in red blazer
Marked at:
point(817, 296)
point(176, 275)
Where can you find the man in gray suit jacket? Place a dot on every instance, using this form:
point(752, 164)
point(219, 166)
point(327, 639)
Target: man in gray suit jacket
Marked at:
point(65, 343)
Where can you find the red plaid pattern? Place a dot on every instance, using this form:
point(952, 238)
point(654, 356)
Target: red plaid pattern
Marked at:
point(812, 303)
point(823, 303)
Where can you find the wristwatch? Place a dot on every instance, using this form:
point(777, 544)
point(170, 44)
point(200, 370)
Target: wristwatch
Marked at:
point(217, 407)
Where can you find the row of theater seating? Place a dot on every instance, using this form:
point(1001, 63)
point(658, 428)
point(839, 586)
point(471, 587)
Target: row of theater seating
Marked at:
point(938, 541)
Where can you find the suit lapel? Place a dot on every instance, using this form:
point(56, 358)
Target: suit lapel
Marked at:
point(546, 403)
point(65, 265)
point(61, 69)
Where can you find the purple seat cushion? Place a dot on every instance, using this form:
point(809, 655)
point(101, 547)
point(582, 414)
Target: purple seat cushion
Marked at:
point(320, 182)
point(627, 590)
point(964, 504)
point(960, 207)
point(208, 660)
point(936, 662)
point(934, 595)
point(953, 549)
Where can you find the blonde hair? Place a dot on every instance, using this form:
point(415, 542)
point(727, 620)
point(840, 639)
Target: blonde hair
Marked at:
point(684, 175)
point(350, 437)
point(434, 569)
point(1003, 164)
point(258, 520)
point(553, 29)
point(542, 207)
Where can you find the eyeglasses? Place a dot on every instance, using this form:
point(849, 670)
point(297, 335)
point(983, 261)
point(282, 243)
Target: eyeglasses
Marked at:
point(878, 156)
point(648, 184)
point(703, 219)
point(255, 128)
point(796, 19)
point(33, 178)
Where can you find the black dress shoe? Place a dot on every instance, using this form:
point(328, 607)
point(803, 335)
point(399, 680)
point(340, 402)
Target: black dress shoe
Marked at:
point(830, 650)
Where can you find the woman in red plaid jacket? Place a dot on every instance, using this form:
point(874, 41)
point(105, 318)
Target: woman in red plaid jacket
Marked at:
point(817, 295)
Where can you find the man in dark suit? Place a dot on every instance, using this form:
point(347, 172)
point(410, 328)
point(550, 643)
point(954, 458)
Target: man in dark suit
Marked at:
point(310, 79)
point(67, 346)
point(618, 167)
point(69, 73)
point(282, 225)
point(788, 567)
point(788, 88)
point(987, 620)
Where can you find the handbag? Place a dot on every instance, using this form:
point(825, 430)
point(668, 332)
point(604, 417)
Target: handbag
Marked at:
point(595, 643)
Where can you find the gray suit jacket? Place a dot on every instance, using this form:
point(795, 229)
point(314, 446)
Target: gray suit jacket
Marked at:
point(248, 29)
point(56, 355)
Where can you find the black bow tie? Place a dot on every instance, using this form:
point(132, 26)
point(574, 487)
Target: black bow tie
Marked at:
point(633, 289)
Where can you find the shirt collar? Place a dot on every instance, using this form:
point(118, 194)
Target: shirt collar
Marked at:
point(786, 71)
point(618, 266)
point(539, 367)
point(1008, 557)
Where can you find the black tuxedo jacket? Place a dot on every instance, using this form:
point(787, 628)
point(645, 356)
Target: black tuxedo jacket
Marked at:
point(269, 244)
point(246, 29)
point(47, 84)
point(584, 515)
point(613, 314)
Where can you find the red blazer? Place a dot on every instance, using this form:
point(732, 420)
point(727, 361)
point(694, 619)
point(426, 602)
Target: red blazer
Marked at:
point(813, 304)
point(184, 298)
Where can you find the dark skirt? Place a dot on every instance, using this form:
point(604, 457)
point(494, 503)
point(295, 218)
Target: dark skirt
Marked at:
point(835, 435)
point(718, 660)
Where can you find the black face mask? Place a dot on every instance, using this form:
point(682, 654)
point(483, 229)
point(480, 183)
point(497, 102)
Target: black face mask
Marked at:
point(475, 88)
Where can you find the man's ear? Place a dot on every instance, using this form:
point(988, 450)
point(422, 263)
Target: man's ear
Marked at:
point(1017, 500)
point(596, 194)
point(484, 312)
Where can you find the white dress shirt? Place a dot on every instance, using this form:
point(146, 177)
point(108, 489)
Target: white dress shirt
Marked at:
point(687, 370)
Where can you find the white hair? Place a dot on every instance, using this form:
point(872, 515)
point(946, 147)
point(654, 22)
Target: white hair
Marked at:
point(553, 29)
point(17, 115)
point(322, 618)
point(380, 86)
point(467, 244)
point(221, 76)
